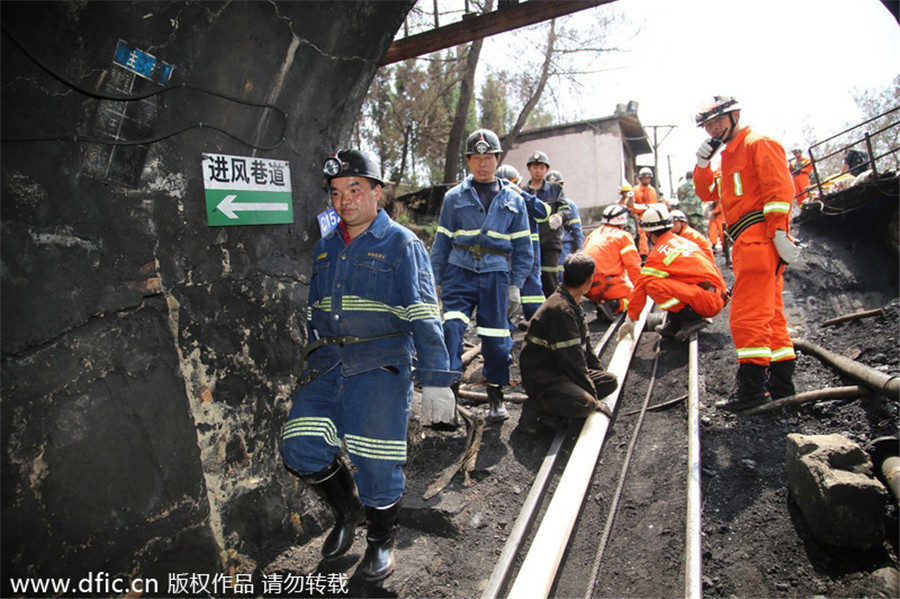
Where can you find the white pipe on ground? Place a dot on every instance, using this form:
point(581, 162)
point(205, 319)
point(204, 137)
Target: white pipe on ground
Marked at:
point(693, 582)
point(539, 568)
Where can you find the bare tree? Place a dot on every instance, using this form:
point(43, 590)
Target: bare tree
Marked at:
point(463, 105)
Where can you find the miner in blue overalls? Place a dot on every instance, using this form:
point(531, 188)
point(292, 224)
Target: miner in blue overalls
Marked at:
point(481, 257)
point(538, 212)
point(372, 306)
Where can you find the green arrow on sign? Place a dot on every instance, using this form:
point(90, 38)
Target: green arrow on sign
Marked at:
point(235, 207)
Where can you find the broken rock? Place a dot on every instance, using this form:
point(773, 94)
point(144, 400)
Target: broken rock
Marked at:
point(830, 479)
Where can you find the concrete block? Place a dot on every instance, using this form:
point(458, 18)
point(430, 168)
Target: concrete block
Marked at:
point(830, 479)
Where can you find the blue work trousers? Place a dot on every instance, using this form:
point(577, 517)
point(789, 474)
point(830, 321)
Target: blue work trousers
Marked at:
point(462, 291)
point(370, 411)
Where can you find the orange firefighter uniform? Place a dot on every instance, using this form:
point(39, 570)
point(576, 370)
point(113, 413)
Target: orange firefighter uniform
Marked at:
point(756, 193)
point(801, 167)
point(614, 254)
point(677, 273)
point(689, 232)
point(644, 195)
point(715, 229)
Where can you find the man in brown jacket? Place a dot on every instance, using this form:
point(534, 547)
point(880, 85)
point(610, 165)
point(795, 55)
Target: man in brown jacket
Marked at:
point(561, 375)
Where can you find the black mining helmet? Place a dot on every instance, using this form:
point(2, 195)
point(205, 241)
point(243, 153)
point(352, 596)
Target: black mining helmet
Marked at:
point(352, 163)
point(483, 141)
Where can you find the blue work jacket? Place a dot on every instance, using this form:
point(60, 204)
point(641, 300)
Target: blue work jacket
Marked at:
point(503, 231)
point(380, 284)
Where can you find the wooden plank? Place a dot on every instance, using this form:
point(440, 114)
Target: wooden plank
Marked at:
point(481, 26)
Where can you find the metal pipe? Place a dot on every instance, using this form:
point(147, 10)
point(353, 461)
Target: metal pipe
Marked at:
point(538, 570)
point(507, 556)
point(885, 384)
point(890, 468)
point(693, 579)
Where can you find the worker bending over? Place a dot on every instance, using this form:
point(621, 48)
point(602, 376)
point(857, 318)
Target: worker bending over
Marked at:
point(679, 277)
point(615, 254)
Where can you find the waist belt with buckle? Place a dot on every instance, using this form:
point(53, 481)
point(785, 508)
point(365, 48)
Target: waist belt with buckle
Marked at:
point(744, 222)
point(478, 251)
point(342, 341)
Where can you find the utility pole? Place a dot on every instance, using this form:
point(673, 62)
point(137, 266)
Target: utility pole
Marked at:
point(655, 145)
point(671, 187)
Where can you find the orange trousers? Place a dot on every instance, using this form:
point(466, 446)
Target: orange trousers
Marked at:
point(610, 287)
point(672, 295)
point(716, 230)
point(758, 323)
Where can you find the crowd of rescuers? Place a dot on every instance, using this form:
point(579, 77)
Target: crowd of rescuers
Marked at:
point(385, 314)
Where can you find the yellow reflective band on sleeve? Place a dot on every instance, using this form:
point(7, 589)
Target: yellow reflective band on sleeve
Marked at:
point(423, 311)
point(754, 352)
point(454, 315)
point(309, 426)
point(652, 272)
point(549, 268)
point(628, 248)
point(533, 299)
point(572, 221)
point(738, 185)
point(554, 346)
point(503, 236)
point(464, 232)
point(671, 257)
point(444, 231)
point(518, 234)
point(779, 207)
point(783, 353)
point(377, 449)
point(535, 237)
point(669, 303)
point(488, 332)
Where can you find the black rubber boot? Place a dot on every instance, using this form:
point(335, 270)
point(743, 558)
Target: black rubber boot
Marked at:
point(751, 388)
point(691, 322)
point(781, 378)
point(336, 486)
point(497, 411)
point(378, 563)
point(671, 326)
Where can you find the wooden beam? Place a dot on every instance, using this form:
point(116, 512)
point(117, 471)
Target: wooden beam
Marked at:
point(481, 26)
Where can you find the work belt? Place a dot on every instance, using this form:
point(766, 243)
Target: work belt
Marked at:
point(747, 220)
point(341, 340)
point(478, 251)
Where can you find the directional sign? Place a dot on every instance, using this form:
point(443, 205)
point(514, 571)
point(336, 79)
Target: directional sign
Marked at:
point(242, 190)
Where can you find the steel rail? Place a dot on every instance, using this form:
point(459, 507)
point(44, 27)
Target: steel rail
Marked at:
point(532, 501)
point(538, 570)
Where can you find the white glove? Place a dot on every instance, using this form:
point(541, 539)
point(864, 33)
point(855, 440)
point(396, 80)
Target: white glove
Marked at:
point(706, 151)
point(555, 221)
point(438, 405)
point(787, 249)
point(627, 330)
point(514, 302)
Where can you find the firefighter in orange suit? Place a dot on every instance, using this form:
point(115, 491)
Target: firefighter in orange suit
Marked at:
point(801, 167)
point(715, 229)
point(756, 193)
point(614, 254)
point(644, 195)
point(679, 277)
point(681, 227)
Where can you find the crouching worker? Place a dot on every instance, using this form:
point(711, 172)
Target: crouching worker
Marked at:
point(679, 277)
point(560, 373)
point(614, 254)
point(372, 304)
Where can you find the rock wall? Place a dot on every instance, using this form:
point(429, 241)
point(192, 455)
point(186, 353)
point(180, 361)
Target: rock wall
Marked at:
point(148, 357)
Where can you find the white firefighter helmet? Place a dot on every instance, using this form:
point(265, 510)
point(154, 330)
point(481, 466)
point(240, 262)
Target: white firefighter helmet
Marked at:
point(656, 218)
point(616, 215)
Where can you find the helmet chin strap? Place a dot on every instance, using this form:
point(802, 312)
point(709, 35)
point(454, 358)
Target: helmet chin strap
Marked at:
point(729, 133)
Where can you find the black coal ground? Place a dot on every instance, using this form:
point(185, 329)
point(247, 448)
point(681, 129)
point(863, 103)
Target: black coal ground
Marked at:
point(755, 542)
